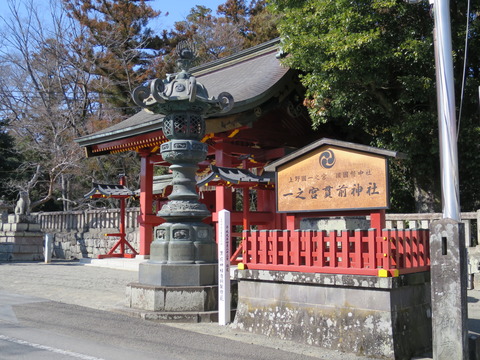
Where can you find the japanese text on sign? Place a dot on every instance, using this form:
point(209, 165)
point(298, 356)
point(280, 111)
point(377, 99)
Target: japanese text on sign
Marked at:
point(332, 178)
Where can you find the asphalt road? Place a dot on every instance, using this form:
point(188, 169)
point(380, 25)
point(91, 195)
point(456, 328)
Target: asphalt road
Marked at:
point(35, 329)
point(69, 311)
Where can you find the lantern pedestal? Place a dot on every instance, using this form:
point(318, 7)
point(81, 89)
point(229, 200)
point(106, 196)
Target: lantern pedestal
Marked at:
point(178, 274)
point(174, 303)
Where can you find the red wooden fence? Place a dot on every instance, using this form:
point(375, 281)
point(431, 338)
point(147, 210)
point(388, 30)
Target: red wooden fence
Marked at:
point(359, 252)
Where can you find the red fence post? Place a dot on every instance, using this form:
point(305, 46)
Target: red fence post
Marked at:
point(408, 250)
point(344, 237)
point(333, 249)
point(308, 255)
point(426, 247)
point(372, 253)
point(262, 247)
point(386, 251)
point(295, 247)
point(321, 248)
point(254, 247)
point(275, 252)
point(415, 262)
point(358, 256)
point(286, 246)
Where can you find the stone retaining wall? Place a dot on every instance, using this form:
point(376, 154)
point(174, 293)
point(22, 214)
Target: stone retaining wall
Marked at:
point(379, 317)
point(89, 244)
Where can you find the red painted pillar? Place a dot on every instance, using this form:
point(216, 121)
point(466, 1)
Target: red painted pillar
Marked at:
point(146, 202)
point(266, 203)
point(223, 194)
point(377, 220)
point(293, 222)
point(122, 219)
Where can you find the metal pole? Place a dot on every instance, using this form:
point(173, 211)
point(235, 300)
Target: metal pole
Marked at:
point(448, 267)
point(446, 111)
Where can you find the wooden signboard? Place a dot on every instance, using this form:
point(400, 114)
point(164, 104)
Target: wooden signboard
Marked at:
point(333, 178)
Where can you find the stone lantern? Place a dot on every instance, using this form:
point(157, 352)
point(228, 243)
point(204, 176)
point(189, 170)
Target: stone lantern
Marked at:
point(183, 252)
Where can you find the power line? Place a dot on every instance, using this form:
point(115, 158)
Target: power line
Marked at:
point(462, 93)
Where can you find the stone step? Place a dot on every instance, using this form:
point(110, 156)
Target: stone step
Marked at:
point(179, 316)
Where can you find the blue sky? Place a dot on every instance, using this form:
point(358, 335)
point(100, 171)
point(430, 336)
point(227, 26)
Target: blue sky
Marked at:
point(177, 9)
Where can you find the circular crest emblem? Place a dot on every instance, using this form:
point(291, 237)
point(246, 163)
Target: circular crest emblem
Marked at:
point(327, 159)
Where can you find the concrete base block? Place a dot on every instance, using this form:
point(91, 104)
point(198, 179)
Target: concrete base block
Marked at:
point(17, 219)
point(157, 274)
point(172, 299)
point(204, 316)
point(171, 317)
point(21, 245)
point(474, 347)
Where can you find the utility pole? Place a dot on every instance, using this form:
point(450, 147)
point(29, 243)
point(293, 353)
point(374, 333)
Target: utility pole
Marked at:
point(446, 111)
point(448, 258)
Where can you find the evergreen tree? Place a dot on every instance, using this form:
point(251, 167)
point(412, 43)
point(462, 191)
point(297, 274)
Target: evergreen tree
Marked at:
point(369, 71)
point(9, 160)
point(236, 26)
point(116, 45)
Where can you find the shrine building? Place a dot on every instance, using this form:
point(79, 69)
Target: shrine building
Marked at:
point(267, 121)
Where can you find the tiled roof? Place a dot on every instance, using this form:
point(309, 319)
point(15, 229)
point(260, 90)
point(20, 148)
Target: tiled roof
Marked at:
point(105, 190)
point(160, 184)
point(248, 76)
point(233, 175)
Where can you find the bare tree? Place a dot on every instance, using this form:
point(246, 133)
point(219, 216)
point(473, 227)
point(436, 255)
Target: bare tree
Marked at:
point(45, 97)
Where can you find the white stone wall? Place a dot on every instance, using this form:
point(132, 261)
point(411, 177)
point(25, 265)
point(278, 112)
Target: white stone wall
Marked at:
point(81, 234)
point(89, 244)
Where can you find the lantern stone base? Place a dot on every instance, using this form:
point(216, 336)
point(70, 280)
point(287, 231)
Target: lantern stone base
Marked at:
point(157, 274)
point(174, 303)
point(173, 299)
point(175, 292)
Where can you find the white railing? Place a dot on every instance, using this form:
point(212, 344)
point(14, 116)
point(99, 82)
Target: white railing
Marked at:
point(109, 218)
point(423, 220)
point(59, 221)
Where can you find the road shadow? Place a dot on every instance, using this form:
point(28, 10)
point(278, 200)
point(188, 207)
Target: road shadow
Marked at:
point(472, 299)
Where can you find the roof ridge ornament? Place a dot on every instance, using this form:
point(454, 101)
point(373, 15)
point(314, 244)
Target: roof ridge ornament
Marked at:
point(182, 92)
point(186, 52)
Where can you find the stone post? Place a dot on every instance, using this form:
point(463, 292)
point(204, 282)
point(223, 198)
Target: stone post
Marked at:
point(449, 290)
